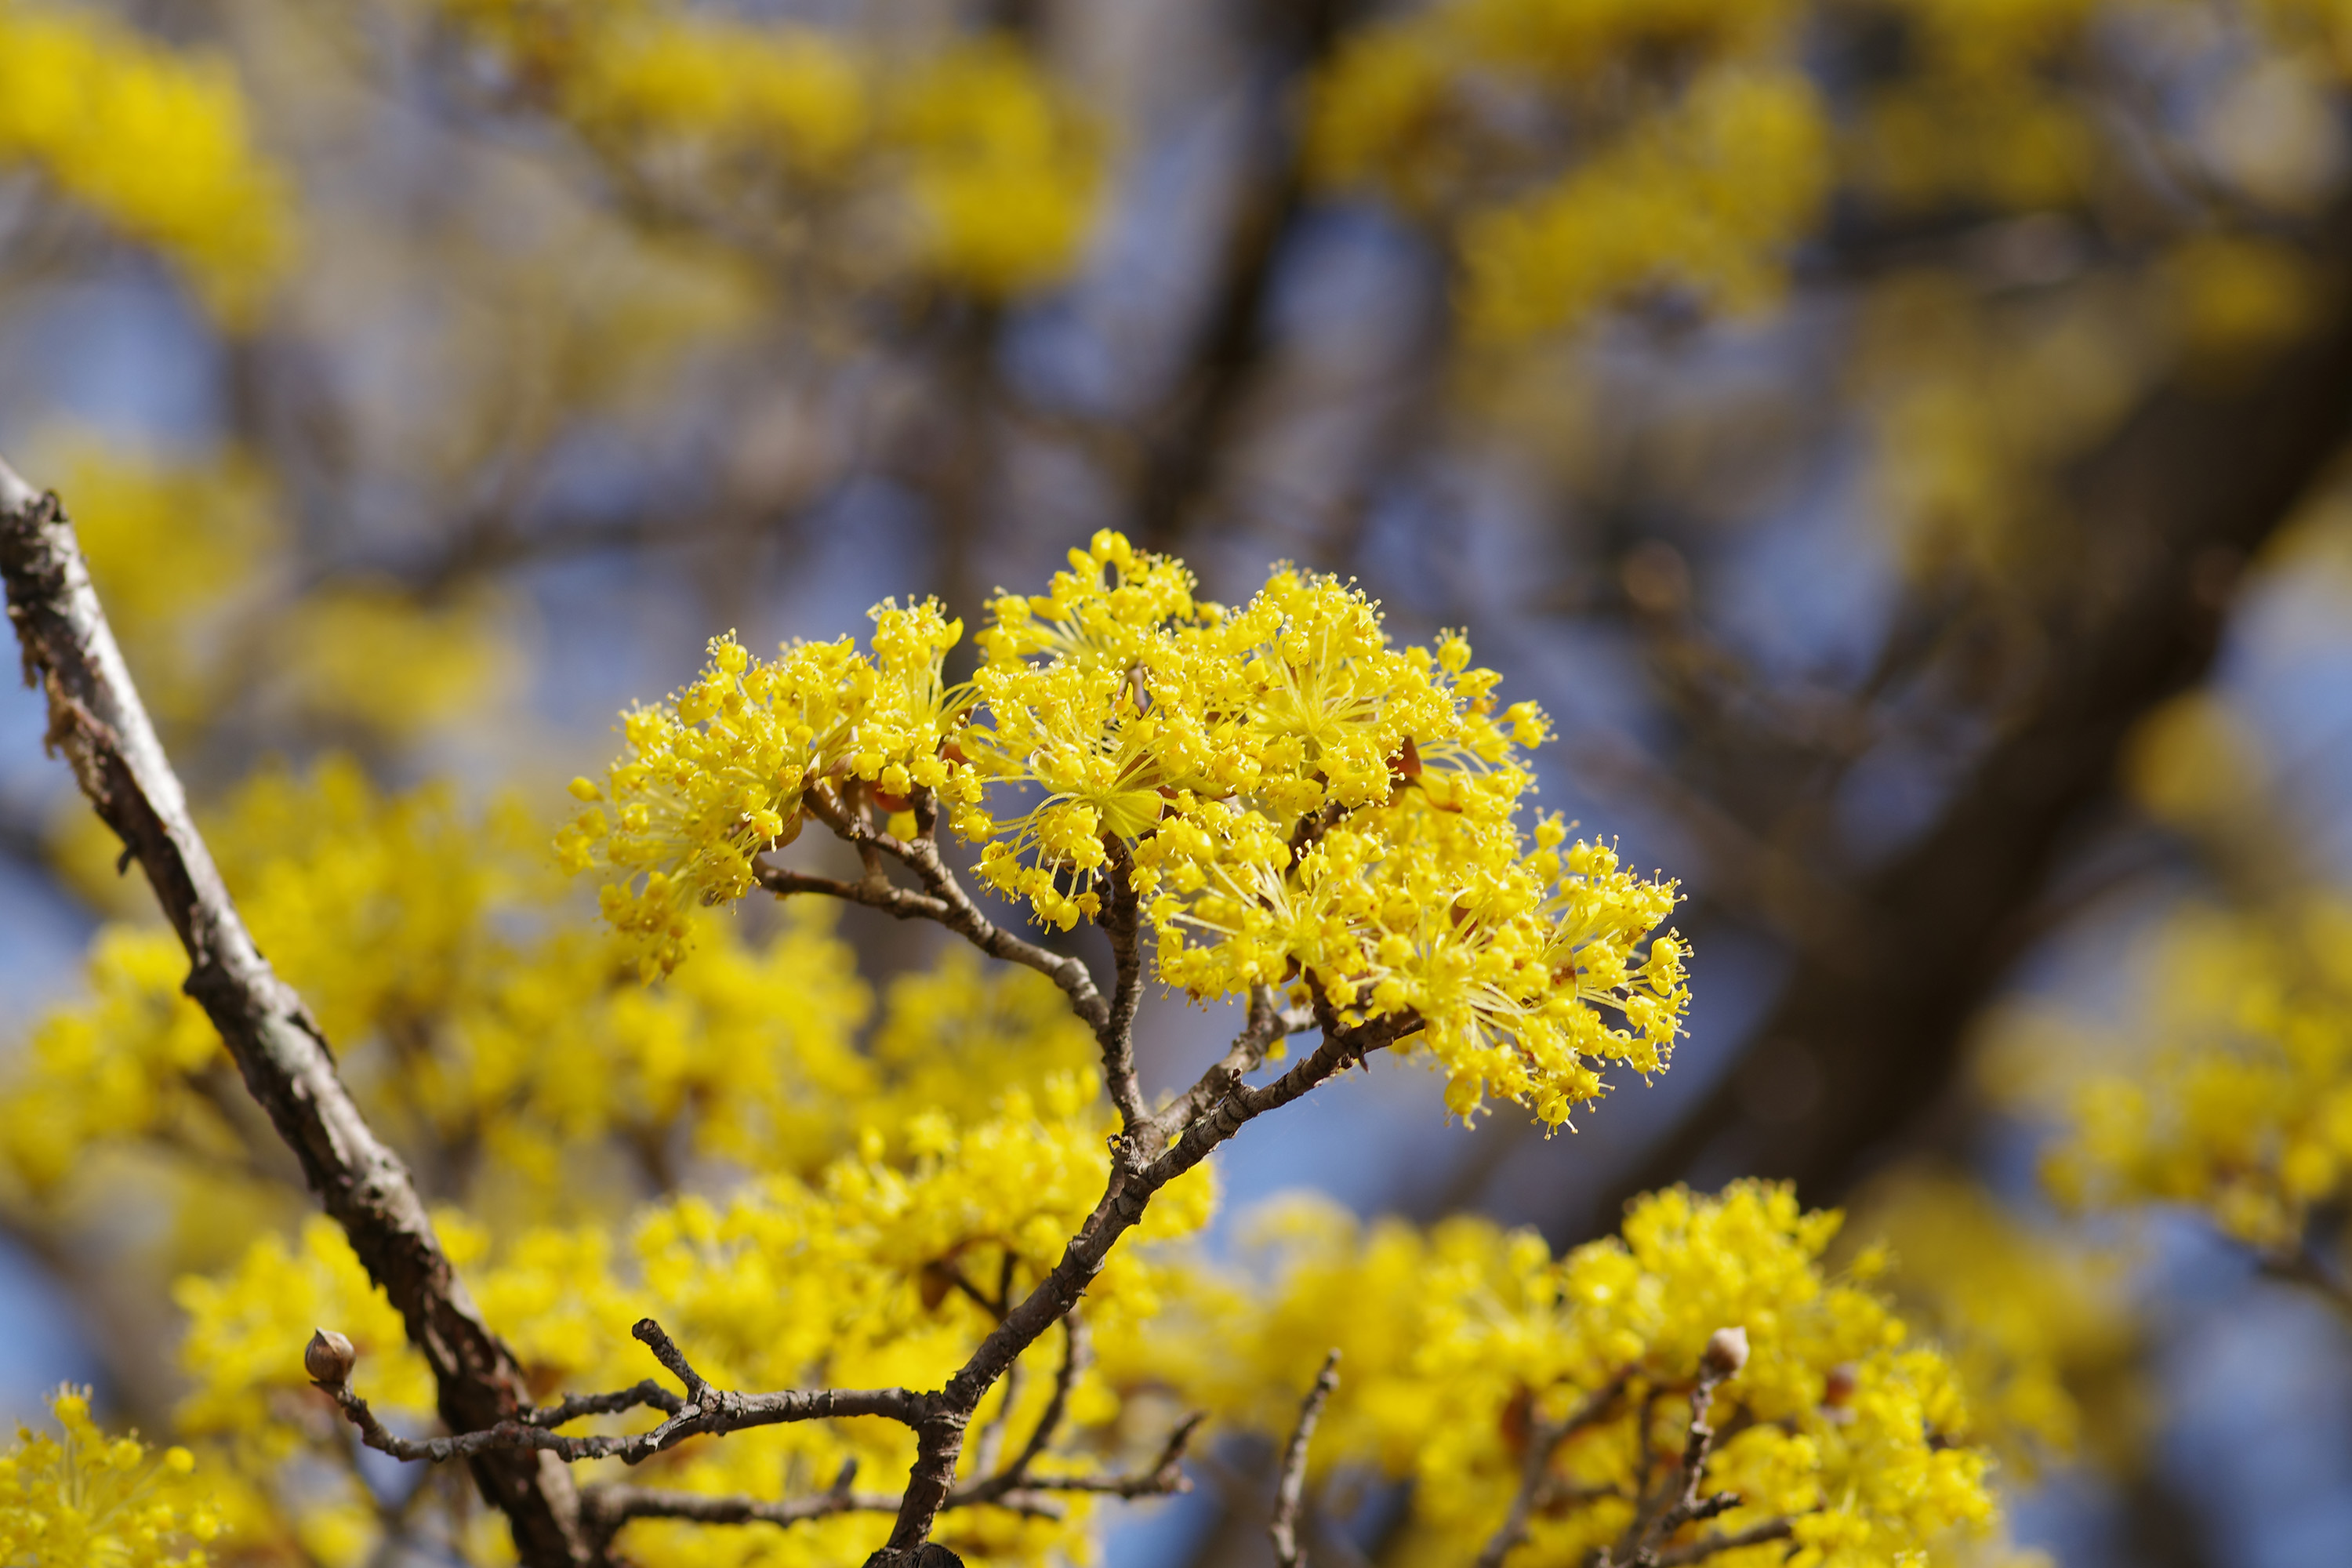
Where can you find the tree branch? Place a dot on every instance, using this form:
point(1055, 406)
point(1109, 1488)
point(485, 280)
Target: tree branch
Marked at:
point(1122, 921)
point(705, 1410)
point(2300, 1265)
point(96, 720)
point(1290, 1482)
point(1075, 1355)
point(1707, 1545)
point(940, 1439)
point(1543, 1442)
point(1266, 1025)
point(1657, 1518)
point(944, 898)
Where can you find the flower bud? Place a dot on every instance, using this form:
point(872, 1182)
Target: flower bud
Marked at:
point(1837, 1389)
point(1726, 1353)
point(328, 1358)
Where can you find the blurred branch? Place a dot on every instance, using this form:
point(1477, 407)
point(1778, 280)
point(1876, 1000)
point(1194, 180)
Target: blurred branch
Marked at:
point(1185, 438)
point(96, 720)
point(1290, 1486)
point(2195, 482)
point(2301, 1265)
point(1535, 1469)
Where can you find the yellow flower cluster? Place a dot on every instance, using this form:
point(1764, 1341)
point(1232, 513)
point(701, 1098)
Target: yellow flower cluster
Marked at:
point(857, 1277)
point(1705, 199)
point(83, 1499)
point(1984, 114)
point(1698, 188)
point(153, 141)
point(436, 954)
point(2041, 1334)
point(115, 1066)
point(172, 546)
point(992, 173)
point(2246, 1109)
point(1005, 172)
point(1978, 406)
point(1459, 1343)
point(1296, 802)
point(716, 774)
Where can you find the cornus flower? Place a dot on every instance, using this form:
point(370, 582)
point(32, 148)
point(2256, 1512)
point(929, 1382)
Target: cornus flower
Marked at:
point(83, 1499)
point(716, 773)
point(1287, 798)
point(1837, 1440)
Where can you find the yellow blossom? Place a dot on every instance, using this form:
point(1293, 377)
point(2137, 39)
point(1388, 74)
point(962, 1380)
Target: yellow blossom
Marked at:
point(82, 1500)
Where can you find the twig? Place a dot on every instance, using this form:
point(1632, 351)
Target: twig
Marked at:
point(1075, 1355)
point(1725, 1354)
point(1707, 1545)
point(1543, 1442)
point(943, 899)
point(1290, 1485)
point(2300, 1265)
point(1266, 1024)
point(573, 1406)
point(705, 1410)
point(97, 720)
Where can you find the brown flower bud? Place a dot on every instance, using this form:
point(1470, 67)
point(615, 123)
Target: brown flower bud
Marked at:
point(1837, 1389)
point(328, 1358)
point(1726, 1353)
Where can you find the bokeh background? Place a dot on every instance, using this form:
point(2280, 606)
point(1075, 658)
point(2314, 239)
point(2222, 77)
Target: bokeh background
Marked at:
point(1899, 441)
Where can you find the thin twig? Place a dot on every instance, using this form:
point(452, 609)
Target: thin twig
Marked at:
point(1707, 1545)
point(704, 1411)
point(1656, 1520)
point(1290, 1483)
point(943, 900)
point(573, 1406)
point(1543, 1441)
point(1266, 1024)
point(2300, 1265)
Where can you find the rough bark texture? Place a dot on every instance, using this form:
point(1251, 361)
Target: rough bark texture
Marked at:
point(2168, 510)
point(96, 718)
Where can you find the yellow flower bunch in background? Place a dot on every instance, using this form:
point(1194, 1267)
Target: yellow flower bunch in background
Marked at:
point(961, 159)
point(83, 1499)
point(2247, 1113)
point(2041, 1333)
point(1607, 195)
point(154, 142)
point(1843, 1440)
point(1291, 800)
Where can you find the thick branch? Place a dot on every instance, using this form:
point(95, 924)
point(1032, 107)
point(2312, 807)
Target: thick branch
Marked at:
point(2197, 482)
point(2302, 1265)
point(97, 720)
point(1122, 922)
point(1266, 1024)
point(1290, 1480)
point(1074, 1357)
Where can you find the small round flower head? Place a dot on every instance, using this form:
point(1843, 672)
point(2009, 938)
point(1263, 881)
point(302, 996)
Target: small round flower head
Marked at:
point(716, 774)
